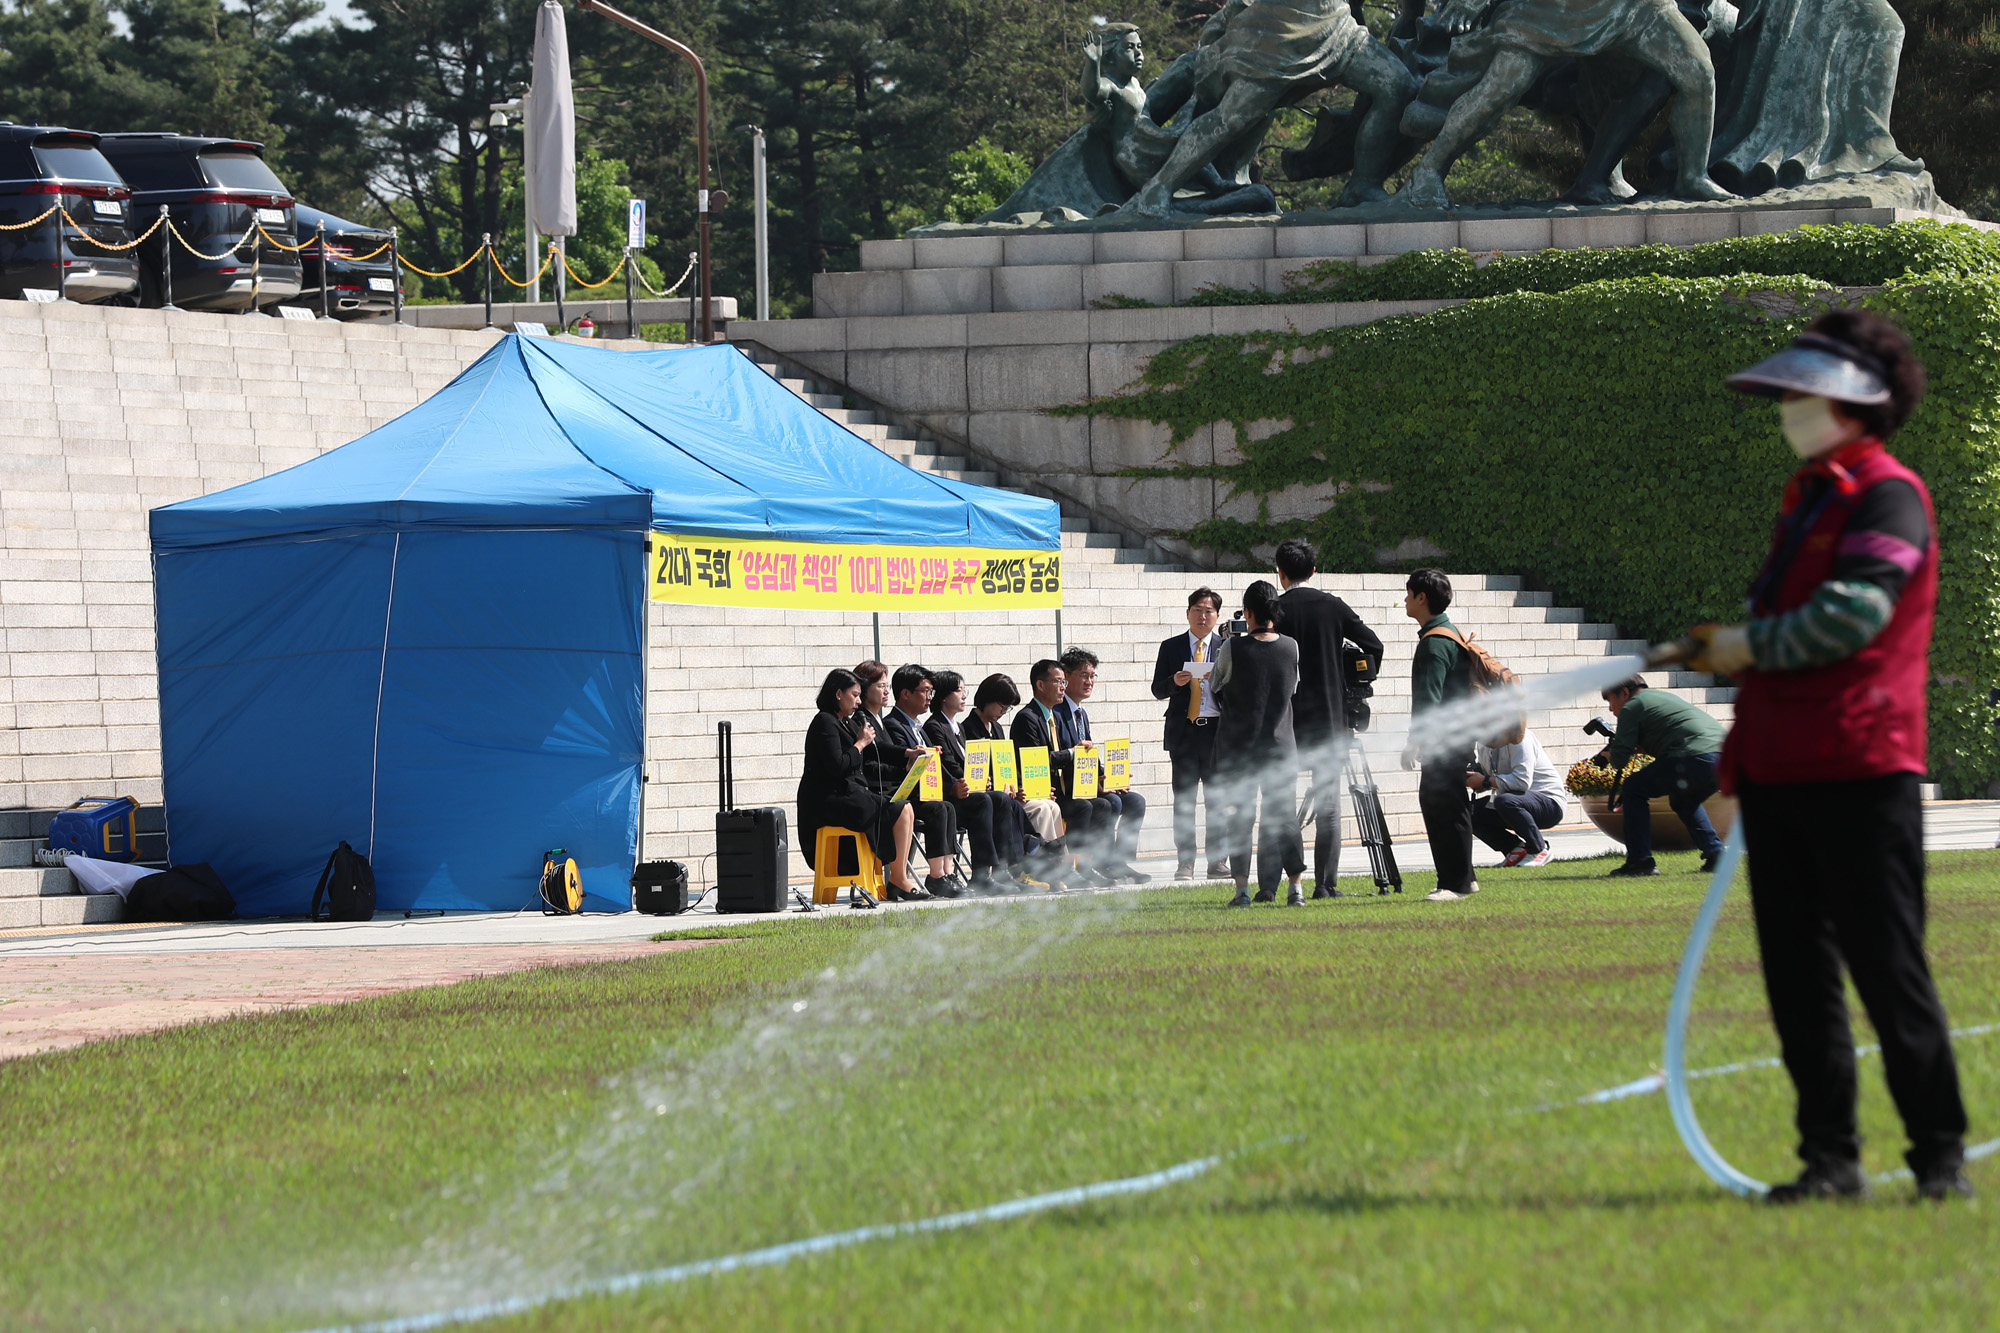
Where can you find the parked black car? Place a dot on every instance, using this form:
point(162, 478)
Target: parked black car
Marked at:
point(41, 165)
point(361, 274)
point(214, 190)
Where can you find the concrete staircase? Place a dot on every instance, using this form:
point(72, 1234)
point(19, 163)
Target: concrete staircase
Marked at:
point(33, 895)
point(1123, 596)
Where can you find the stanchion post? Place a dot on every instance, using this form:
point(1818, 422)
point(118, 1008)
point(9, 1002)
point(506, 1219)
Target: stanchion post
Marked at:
point(325, 274)
point(562, 321)
point(631, 329)
point(62, 269)
point(396, 265)
point(166, 258)
point(694, 262)
point(486, 244)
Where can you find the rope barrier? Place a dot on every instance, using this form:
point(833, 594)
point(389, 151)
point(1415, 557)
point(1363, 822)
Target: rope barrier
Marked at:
point(546, 263)
point(592, 286)
point(275, 241)
point(132, 244)
point(669, 291)
point(448, 272)
point(230, 253)
point(31, 222)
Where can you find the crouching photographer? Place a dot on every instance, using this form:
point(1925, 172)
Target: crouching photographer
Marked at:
point(1516, 793)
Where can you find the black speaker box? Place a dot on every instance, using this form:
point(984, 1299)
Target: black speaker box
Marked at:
point(752, 860)
point(660, 888)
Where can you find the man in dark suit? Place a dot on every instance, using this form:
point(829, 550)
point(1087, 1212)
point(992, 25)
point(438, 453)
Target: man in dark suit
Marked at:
point(1191, 730)
point(1319, 622)
point(903, 732)
point(1124, 812)
point(1035, 724)
point(993, 821)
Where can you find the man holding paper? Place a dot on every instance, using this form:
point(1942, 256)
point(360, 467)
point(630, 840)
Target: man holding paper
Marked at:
point(1034, 728)
point(900, 750)
point(1181, 677)
point(1124, 812)
point(993, 823)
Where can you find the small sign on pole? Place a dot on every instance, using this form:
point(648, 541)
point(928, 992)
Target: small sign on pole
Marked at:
point(635, 224)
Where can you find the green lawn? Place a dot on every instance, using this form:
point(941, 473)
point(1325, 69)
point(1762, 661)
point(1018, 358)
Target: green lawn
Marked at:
point(1367, 1063)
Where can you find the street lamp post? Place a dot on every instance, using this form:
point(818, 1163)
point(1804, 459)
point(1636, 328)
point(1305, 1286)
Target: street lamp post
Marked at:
point(761, 220)
point(518, 108)
point(701, 146)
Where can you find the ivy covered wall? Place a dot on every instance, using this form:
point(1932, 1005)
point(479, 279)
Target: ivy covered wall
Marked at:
point(1583, 438)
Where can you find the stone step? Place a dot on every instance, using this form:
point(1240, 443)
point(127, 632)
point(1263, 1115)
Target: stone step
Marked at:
point(76, 909)
point(21, 851)
point(35, 882)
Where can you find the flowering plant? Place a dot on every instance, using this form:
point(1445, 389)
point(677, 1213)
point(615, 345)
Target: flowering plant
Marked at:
point(1589, 778)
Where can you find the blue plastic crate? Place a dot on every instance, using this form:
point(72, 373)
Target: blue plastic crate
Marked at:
point(104, 827)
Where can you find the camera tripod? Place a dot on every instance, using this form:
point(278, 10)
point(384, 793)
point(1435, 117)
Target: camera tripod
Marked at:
point(1367, 799)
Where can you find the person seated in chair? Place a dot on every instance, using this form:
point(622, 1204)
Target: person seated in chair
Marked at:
point(999, 847)
point(1044, 837)
point(1035, 725)
point(832, 792)
point(888, 761)
point(1125, 811)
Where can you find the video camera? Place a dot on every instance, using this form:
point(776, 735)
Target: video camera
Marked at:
point(1358, 670)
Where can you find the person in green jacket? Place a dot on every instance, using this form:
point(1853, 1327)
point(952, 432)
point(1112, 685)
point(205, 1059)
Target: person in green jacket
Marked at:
point(1685, 743)
point(1440, 674)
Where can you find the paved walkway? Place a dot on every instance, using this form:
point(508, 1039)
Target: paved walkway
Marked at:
point(64, 987)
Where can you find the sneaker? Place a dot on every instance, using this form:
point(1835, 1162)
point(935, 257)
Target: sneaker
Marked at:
point(1540, 858)
point(1708, 862)
point(1634, 870)
point(1470, 889)
point(1183, 872)
point(1444, 896)
point(1941, 1183)
point(1295, 898)
point(1242, 899)
point(1219, 869)
point(1515, 857)
point(1130, 874)
point(1823, 1178)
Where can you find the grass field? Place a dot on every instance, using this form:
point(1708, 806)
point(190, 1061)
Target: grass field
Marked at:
point(1366, 1064)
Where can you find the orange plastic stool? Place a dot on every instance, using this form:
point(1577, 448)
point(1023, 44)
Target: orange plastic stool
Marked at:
point(827, 877)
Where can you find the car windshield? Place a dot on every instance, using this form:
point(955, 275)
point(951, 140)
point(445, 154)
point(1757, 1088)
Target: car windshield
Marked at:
point(74, 161)
point(242, 171)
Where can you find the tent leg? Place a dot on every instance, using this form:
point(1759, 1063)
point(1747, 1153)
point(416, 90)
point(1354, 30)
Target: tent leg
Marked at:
point(878, 635)
point(1059, 647)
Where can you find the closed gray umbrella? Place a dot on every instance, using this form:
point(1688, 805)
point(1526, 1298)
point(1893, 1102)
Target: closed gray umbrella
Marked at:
point(552, 116)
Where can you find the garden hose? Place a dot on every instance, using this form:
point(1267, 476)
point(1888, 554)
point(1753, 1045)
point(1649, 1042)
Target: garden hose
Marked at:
point(1698, 1146)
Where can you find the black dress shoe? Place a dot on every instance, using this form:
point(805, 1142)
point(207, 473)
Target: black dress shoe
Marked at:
point(937, 886)
point(1823, 1178)
point(897, 895)
point(1266, 896)
point(1320, 891)
point(1708, 862)
point(1938, 1184)
point(1634, 870)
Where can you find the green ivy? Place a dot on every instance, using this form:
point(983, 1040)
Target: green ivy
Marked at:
point(1584, 438)
point(1849, 255)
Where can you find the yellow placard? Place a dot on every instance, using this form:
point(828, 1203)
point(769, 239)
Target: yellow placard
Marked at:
point(1083, 773)
point(1035, 773)
point(1117, 763)
point(1006, 775)
point(925, 778)
point(723, 571)
point(978, 765)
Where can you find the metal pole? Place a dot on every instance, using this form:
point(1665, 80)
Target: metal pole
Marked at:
point(325, 279)
point(533, 293)
point(762, 223)
point(1059, 649)
point(396, 262)
point(700, 138)
point(631, 266)
point(166, 258)
point(486, 244)
point(562, 323)
point(695, 259)
point(878, 635)
point(62, 269)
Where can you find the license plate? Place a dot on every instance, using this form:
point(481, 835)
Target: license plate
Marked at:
point(107, 208)
point(381, 285)
point(271, 215)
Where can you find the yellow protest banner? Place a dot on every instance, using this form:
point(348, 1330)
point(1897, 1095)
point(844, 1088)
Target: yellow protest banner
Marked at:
point(1117, 763)
point(811, 576)
point(925, 778)
point(978, 765)
point(1035, 773)
point(1083, 773)
point(1006, 777)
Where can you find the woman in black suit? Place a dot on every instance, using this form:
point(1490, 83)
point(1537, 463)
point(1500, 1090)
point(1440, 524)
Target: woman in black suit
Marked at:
point(1254, 679)
point(831, 790)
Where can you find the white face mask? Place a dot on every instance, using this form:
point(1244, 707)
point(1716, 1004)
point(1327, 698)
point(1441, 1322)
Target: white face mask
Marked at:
point(1810, 426)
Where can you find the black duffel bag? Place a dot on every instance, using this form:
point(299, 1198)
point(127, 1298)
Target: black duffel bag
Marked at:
point(183, 893)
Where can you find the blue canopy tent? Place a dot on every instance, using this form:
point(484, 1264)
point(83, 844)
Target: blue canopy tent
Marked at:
point(430, 642)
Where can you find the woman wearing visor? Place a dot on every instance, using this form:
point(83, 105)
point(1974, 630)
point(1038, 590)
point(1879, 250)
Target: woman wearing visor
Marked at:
point(1828, 748)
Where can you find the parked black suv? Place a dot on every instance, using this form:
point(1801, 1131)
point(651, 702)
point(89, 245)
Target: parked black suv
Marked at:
point(361, 274)
point(40, 166)
point(214, 190)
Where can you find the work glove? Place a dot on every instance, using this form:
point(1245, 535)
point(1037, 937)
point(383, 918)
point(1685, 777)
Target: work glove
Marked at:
point(1725, 649)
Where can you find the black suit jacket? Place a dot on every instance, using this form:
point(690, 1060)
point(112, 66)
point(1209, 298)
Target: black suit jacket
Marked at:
point(1028, 730)
point(1319, 622)
point(939, 731)
point(1173, 656)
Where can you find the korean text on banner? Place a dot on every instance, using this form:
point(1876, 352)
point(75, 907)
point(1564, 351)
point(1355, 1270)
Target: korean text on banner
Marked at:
point(1035, 772)
point(978, 765)
point(1117, 763)
point(810, 576)
point(923, 778)
point(1006, 774)
point(1083, 783)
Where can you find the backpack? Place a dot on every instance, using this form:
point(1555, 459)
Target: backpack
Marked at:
point(562, 884)
point(1487, 674)
point(348, 884)
point(183, 893)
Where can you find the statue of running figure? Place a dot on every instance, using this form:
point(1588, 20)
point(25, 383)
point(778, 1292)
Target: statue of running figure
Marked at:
point(1257, 56)
point(1526, 36)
